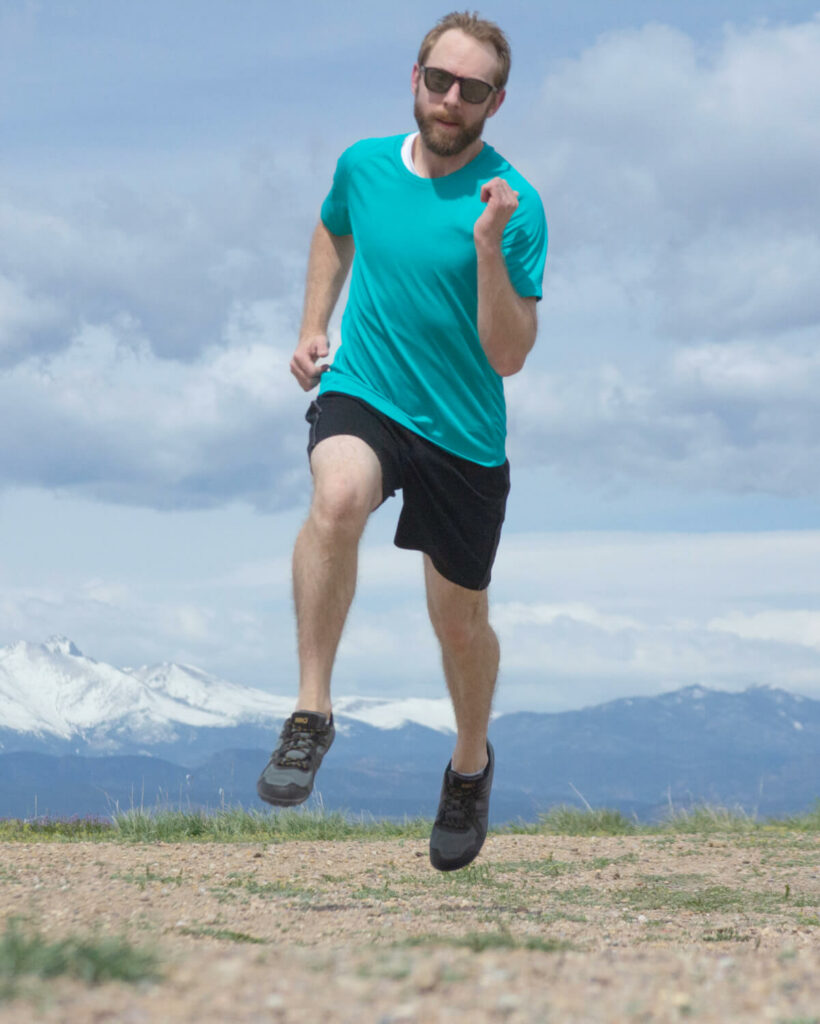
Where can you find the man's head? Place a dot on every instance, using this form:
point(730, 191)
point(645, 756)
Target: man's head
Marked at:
point(461, 46)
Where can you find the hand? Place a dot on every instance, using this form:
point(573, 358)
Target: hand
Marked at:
point(304, 364)
point(502, 202)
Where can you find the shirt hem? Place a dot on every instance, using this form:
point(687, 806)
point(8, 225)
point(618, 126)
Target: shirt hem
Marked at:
point(357, 390)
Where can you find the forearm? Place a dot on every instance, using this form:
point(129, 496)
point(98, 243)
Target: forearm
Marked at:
point(328, 265)
point(506, 322)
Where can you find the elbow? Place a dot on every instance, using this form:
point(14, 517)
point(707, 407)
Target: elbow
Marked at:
point(508, 365)
point(509, 359)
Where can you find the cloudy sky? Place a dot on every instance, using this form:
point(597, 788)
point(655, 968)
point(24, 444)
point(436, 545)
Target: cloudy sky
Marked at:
point(162, 169)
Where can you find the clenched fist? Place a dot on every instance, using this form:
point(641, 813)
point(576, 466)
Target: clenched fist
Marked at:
point(305, 362)
point(502, 202)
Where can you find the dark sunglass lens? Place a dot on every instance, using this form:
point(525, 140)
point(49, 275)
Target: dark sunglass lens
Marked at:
point(473, 90)
point(437, 80)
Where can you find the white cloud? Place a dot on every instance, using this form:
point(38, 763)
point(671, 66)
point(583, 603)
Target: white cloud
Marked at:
point(149, 624)
point(582, 618)
point(23, 316)
point(108, 418)
point(511, 614)
point(661, 577)
point(648, 140)
point(682, 315)
point(733, 417)
point(790, 626)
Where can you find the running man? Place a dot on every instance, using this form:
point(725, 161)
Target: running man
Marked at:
point(450, 242)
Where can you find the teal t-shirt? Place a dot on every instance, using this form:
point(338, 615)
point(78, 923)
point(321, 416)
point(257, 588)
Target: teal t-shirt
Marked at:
point(410, 344)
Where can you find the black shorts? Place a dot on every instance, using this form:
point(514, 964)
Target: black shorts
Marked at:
point(452, 510)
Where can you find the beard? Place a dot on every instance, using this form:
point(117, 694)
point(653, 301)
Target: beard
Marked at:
point(440, 141)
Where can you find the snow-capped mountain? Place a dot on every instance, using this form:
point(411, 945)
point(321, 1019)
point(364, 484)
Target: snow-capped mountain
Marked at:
point(81, 737)
point(54, 690)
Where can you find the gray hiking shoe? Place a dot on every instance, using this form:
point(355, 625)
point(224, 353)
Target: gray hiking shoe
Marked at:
point(288, 776)
point(463, 812)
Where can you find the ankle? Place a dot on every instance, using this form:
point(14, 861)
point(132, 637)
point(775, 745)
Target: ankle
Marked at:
point(470, 763)
point(315, 703)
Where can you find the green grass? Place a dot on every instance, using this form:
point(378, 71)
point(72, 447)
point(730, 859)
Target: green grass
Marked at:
point(238, 825)
point(59, 829)
point(670, 893)
point(728, 934)
point(27, 953)
point(573, 821)
point(235, 824)
point(477, 942)
point(147, 876)
point(237, 885)
point(204, 932)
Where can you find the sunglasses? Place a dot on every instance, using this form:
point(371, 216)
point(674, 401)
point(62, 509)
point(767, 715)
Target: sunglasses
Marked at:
point(472, 90)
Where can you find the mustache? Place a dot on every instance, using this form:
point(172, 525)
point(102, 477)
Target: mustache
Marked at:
point(444, 115)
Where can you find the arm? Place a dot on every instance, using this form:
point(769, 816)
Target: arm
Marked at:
point(507, 321)
point(328, 265)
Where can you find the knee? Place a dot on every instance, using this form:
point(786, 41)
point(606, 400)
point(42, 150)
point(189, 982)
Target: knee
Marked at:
point(340, 505)
point(458, 629)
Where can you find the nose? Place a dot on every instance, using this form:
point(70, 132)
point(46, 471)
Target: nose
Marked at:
point(453, 95)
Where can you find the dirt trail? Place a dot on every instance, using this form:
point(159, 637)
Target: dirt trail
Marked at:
point(541, 929)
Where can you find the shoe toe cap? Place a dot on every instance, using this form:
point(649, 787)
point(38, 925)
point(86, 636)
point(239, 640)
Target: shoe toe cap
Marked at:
point(452, 850)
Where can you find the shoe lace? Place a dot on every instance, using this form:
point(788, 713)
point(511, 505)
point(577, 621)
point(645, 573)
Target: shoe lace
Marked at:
point(296, 747)
point(457, 808)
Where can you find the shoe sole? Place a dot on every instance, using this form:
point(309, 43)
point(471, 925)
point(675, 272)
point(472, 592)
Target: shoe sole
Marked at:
point(282, 801)
point(454, 865)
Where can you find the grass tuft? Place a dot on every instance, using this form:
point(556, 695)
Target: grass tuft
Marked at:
point(706, 819)
point(225, 934)
point(808, 822)
point(478, 942)
point(93, 960)
point(59, 829)
point(235, 824)
point(572, 821)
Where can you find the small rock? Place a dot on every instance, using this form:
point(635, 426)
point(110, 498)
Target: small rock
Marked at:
point(403, 1014)
point(426, 975)
point(507, 1003)
point(230, 967)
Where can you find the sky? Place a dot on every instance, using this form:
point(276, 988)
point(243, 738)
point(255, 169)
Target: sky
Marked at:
point(162, 170)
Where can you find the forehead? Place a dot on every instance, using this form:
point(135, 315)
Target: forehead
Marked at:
point(463, 55)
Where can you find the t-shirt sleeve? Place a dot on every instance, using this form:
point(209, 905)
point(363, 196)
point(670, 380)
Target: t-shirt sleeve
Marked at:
point(525, 246)
point(335, 212)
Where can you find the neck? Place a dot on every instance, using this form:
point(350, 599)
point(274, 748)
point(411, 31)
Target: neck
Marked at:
point(431, 165)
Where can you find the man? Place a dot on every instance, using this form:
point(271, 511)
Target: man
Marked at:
point(449, 244)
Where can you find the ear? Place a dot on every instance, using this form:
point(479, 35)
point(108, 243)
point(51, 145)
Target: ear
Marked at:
point(415, 78)
point(498, 99)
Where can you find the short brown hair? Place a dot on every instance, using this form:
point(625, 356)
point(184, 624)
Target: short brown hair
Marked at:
point(480, 29)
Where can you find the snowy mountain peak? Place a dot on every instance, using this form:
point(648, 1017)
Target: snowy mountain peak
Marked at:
point(52, 689)
point(59, 644)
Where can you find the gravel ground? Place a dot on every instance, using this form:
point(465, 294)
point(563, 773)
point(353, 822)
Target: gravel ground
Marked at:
point(540, 929)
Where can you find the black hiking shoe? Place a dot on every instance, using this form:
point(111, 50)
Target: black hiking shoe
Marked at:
point(288, 776)
point(461, 823)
